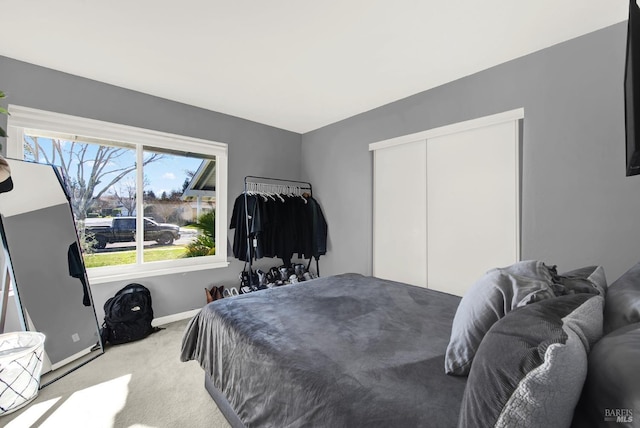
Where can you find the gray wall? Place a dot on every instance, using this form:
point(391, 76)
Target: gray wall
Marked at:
point(578, 208)
point(254, 149)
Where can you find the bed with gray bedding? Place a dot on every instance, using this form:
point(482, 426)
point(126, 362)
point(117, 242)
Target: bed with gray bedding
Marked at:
point(341, 351)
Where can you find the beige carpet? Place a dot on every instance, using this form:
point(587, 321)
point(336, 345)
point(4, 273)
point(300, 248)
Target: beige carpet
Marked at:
point(141, 384)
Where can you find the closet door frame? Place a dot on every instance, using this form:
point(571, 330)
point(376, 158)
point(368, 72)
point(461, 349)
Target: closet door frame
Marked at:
point(515, 115)
point(467, 125)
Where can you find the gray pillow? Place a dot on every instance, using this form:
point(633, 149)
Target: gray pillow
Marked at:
point(494, 295)
point(531, 366)
point(622, 306)
point(589, 279)
point(612, 390)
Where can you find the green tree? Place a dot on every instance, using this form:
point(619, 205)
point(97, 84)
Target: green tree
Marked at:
point(206, 223)
point(204, 244)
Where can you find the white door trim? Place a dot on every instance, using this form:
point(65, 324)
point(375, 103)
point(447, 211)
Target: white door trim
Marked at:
point(454, 128)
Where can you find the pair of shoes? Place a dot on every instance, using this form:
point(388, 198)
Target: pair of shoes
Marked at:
point(299, 270)
point(273, 275)
point(284, 273)
point(230, 292)
point(215, 293)
point(262, 278)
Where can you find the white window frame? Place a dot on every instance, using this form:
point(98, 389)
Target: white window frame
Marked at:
point(24, 120)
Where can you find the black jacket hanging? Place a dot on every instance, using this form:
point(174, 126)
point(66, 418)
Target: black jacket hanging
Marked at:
point(238, 222)
point(279, 227)
point(319, 229)
point(76, 270)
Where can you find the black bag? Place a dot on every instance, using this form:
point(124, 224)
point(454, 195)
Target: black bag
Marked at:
point(248, 279)
point(127, 315)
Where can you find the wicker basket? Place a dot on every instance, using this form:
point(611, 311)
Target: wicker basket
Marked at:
point(20, 367)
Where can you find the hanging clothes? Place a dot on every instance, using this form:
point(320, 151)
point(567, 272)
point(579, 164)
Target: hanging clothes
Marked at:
point(318, 228)
point(279, 227)
point(76, 270)
point(239, 222)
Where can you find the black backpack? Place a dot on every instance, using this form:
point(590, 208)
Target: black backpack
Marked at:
point(127, 315)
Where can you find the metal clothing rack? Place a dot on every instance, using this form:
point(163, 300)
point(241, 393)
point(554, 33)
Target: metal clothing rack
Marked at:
point(252, 183)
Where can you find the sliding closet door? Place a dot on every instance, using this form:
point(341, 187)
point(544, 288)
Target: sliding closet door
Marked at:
point(446, 203)
point(399, 213)
point(473, 205)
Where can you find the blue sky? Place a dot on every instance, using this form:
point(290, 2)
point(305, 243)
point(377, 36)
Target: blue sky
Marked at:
point(169, 173)
point(163, 175)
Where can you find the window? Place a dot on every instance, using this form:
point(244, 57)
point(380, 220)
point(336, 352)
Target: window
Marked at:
point(145, 202)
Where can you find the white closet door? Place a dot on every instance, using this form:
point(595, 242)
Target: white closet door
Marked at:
point(473, 198)
point(400, 210)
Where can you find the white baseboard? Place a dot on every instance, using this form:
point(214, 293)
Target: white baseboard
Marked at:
point(175, 317)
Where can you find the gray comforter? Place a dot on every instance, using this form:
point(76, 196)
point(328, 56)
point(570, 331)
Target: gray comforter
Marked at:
point(341, 351)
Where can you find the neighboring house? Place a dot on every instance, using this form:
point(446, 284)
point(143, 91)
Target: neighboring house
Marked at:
point(201, 190)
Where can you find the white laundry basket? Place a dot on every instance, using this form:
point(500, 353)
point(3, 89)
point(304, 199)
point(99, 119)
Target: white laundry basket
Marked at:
point(20, 367)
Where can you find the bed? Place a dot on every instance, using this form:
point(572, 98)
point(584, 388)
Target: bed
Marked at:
point(524, 347)
point(340, 351)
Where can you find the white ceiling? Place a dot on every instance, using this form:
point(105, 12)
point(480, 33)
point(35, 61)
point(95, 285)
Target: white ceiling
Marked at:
point(293, 64)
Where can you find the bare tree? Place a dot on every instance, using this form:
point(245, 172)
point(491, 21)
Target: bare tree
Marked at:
point(125, 193)
point(167, 210)
point(91, 169)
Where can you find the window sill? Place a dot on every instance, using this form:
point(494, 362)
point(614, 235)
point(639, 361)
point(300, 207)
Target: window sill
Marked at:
point(135, 272)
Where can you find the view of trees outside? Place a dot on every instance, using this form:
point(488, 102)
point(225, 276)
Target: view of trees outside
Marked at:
point(101, 182)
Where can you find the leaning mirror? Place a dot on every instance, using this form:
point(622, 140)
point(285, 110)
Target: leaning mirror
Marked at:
point(49, 278)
